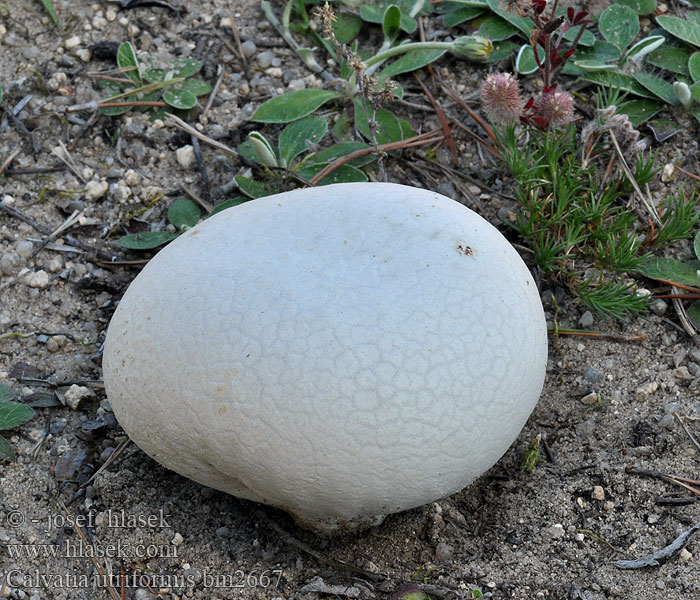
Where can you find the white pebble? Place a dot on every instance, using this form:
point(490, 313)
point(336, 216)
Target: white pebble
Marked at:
point(75, 395)
point(72, 42)
point(38, 279)
point(94, 190)
point(185, 156)
point(24, 248)
point(177, 539)
point(598, 493)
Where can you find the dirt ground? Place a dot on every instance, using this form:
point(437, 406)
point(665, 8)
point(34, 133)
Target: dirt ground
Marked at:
point(553, 533)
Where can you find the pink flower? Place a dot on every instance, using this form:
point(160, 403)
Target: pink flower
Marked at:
point(556, 108)
point(500, 98)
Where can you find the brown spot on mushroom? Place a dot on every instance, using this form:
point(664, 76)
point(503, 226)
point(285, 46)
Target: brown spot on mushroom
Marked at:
point(464, 249)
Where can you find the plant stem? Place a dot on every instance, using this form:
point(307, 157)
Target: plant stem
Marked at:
point(407, 48)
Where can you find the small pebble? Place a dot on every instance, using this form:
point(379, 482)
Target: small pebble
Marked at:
point(38, 279)
point(589, 399)
point(24, 248)
point(444, 552)
point(72, 42)
point(586, 319)
point(658, 307)
point(265, 59)
point(185, 156)
point(94, 190)
point(222, 531)
point(556, 531)
point(249, 48)
point(592, 375)
point(75, 395)
point(177, 539)
point(667, 172)
point(598, 493)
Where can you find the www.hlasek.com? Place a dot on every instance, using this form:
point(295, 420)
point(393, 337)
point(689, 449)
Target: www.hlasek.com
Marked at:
point(77, 549)
point(268, 578)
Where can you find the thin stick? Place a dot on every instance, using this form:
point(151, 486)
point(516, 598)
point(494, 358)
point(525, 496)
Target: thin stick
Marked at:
point(687, 431)
point(688, 173)
point(599, 335)
point(178, 122)
point(203, 203)
point(212, 96)
point(8, 161)
point(67, 159)
point(446, 129)
point(69, 222)
point(419, 140)
point(19, 126)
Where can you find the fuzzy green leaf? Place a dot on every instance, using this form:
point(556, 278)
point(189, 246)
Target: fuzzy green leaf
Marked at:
point(618, 80)
point(196, 85)
point(7, 393)
point(48, 5)
point(126, 59)
point(294, 137)
point(252, 188)
point(502, 50)
point(6, 451)
point(146, 240)
point(694, 314)
point(657, 86)
point(388, 126)
point(640, 110)
point(525, 63)
point(696, 244)
point(688, 31)
point(343, 174)
point(328, 155)
point(619, 25)
point(523, 24)
point(642, 7)
point(497, 29)
point(184, 213)
point(186, 66)
point(670, 58)
point(460, 14)
point(694, 66)
point(346, 27)
point(13, 414)
point(375, 14)
point(410, 61)
point(644, 47)
point(180, 98)
point(292, 106)
point(670, 269)
point(228, 204)
point(391, 22)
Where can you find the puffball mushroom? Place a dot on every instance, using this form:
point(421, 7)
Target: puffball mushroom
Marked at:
point(342, 352)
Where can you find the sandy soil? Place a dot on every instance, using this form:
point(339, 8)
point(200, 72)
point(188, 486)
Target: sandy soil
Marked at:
point(554, 533)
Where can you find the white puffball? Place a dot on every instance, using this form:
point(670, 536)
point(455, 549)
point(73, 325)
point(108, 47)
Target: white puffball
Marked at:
point(341, 352)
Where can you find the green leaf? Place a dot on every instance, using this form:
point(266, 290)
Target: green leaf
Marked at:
point(328, 155)
point(696, 244)
point(342, 129)
point(502, 50)
point(48, 5)
point(618, 80)
point(146, 240)
point(391, 23)
point(694, 314)
point(13, 414)
point(694, 66)
point(196, 86)
point(600, 52)
point(639, 111)
point(177, 97)
point(375, 14)
point(670, 269)
point(228, 204)
point(252, 188)
point(186, 66)
point(657, 86)
point(619, 25)
point(644, 47)
point(642, 7)
point(497, 29)
point(388, 126)
point(687, 31)
point(343, 174)
point(410, 61)
point(525, 63)
point(670, 58)
point(7, 393)
point(294, 137)
point(292, 106)
point(183, 213)
point(523, 24)
point(461, 14)
point(346, 27)
point(6, 451)
point(126, 59)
